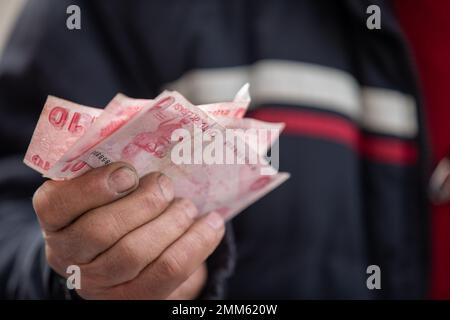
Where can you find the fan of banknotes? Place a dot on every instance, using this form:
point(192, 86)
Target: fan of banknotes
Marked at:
point(71, 139)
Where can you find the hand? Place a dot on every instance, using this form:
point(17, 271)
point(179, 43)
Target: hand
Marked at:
point(130, 238)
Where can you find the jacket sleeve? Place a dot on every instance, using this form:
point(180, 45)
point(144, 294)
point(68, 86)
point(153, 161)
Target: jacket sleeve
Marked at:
point(24, 273)
point(44, 58)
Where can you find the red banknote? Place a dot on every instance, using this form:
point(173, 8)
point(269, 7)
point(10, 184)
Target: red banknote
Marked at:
point(216, 173)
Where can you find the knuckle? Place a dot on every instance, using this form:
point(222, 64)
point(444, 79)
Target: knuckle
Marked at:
point(153, 200)
point(99, 238)
point(124, 264)
point(132, 260)
point(40, 198)
point(201, 239)
point(100, 233)
point(94, 276)
point(119, 219)
point(45, 201)
point(184, 211)
point(50, 202)
point(96, 231)
point(171, 266)
point(82, 246)
point(187, 207)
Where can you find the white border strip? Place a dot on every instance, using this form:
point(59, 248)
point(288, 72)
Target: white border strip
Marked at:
point(389, 111)
point(379, 110)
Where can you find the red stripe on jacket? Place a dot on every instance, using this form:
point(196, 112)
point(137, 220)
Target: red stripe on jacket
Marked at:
point(334, 128)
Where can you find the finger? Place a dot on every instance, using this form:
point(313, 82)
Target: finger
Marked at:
point(58, 203)
point(125, 260)
point(192, 287)
point(177, 263)
point(99, 229)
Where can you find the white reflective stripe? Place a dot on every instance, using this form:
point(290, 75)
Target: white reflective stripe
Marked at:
point(389, 111)
point(314, 85)
point(205, 86)
point(279, 81)
point(274, 81)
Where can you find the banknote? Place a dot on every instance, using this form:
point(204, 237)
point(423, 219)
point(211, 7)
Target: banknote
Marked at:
point(139, 131)
point(235, 109)
point(60, 125)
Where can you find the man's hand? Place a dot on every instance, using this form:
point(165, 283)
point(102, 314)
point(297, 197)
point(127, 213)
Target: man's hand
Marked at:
point(130, 238)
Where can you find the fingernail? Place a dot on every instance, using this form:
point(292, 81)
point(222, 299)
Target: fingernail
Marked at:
point(123, 180)
point(165, 184)
point(215, 220)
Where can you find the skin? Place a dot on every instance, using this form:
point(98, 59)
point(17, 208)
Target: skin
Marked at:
point(131, 238)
